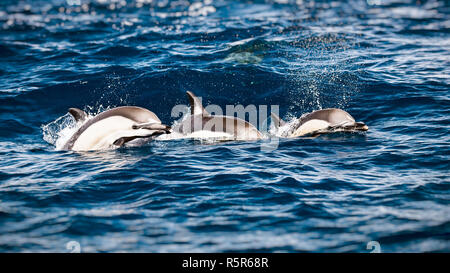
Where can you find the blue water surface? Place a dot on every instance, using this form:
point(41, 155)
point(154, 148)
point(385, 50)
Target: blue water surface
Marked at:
point(386, 62)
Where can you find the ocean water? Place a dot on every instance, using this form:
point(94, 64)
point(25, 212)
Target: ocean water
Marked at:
point(386, 62)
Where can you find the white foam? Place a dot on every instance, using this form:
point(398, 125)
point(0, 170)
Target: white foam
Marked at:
point(283, 130)
point(59, 131)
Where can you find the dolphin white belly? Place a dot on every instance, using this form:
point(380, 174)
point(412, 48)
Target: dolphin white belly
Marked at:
point(209, 134)
point(310, 126)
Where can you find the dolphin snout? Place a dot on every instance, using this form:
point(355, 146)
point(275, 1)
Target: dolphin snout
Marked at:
point(162, 127)
point(168, 129)
point(361, 126)
point(151, 126)
point(354, 126)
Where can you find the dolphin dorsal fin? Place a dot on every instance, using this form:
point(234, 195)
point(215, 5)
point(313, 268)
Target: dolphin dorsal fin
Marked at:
point(277, 120)
point(78, 114)
point(196, 105)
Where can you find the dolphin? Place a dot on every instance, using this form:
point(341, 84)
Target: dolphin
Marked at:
point(201, 124)
point(320, 122)
point(114, 128)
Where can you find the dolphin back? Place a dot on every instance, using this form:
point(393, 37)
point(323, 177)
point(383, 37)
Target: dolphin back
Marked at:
point(333, 116)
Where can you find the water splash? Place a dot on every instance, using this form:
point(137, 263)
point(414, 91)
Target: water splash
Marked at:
point(59, 131)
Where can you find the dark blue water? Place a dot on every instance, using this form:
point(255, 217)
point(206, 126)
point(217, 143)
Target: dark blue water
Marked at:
point(386, 62)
